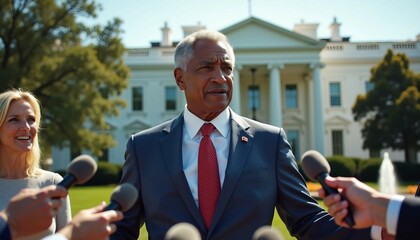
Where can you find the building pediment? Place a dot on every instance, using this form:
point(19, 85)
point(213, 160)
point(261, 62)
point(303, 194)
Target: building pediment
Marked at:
point(136, 125)
point(293, 120)
point(255, 33)
point(337, 120)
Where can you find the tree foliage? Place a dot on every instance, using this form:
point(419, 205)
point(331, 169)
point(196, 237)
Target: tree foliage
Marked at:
point(391, 110)
point(75, 70)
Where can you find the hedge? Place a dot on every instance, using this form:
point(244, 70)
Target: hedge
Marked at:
point(366, 170)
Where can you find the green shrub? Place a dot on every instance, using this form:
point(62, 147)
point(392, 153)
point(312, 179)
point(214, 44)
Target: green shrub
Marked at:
point(407, 172)
point(107, 173)
point(342, 166)
point(369, 170)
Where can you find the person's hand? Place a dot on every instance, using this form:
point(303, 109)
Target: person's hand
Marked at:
point(386, 236)
point(92, 224)
point(32, 210)
point(368, 205)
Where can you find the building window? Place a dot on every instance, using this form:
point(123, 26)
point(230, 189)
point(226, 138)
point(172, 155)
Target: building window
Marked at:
point(253, 97)
point(293, 138)
point(137, 98)
point(291, 96)
point(337, 142)
point(170, 98)
point(369, 86)
point(374, 153)
point(335, 94)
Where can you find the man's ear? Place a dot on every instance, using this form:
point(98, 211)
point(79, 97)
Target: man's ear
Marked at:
point(179, 78)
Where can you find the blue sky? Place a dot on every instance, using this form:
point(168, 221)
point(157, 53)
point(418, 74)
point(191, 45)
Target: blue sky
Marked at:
point(362, 20)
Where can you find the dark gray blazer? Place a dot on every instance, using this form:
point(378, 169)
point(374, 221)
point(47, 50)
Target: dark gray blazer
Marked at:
point(408, 226)
point(261, 176)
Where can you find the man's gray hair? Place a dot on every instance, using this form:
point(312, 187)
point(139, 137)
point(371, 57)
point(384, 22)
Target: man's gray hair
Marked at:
point(184, 51)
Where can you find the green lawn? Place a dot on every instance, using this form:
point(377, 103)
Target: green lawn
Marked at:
point(86, 197)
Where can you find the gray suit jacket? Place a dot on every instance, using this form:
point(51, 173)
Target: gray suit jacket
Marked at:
point(261, 176)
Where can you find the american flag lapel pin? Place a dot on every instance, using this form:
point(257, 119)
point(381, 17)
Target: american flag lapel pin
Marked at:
point(244, 139)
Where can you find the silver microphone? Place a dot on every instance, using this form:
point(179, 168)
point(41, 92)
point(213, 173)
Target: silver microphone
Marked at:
point(183, 231)
point(267, 233)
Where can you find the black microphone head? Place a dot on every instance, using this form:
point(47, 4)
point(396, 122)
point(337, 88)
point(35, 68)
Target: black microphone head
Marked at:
point(267, 233)
point(82, 168)
point(183, 231)
point(125, 195)
point(313, 163)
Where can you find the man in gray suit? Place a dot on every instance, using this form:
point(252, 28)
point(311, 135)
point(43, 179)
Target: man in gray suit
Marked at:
point(256, 170)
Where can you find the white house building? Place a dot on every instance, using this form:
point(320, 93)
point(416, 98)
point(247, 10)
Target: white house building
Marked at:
point(287, 78)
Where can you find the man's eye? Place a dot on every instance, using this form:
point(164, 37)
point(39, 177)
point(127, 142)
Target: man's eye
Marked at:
point(205, 67)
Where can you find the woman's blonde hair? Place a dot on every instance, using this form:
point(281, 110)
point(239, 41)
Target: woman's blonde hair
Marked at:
point(32, 158)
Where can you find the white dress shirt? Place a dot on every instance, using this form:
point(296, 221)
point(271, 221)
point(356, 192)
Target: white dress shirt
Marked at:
point(191, 138)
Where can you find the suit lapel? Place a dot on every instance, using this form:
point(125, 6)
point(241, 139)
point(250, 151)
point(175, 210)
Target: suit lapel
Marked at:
point(171, 146)
point(240, 144)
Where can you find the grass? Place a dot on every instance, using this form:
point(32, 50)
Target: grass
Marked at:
point(87, 197)
point(90, 196)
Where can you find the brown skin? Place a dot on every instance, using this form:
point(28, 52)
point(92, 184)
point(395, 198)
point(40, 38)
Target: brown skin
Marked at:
point(40, 205)
point(368, 205)
point(92, 223)
point(208, 80)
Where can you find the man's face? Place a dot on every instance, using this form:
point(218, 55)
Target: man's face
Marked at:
point(208, 80)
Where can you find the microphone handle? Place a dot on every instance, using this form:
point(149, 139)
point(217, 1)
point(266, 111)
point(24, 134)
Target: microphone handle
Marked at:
point(112, 206)
point(329, 190)
point(68, 181)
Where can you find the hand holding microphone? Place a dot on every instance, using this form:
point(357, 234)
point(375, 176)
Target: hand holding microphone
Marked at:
point(99, 222)
point(316, 167)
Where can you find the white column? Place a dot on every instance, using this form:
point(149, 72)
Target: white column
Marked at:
point(275, 95)
point(309, 111)
point(235, 104)
point(318, 109)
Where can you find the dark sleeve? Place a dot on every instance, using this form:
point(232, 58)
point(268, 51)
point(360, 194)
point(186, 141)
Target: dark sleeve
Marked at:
point(128, 228)
point(4, 230)
point(409, 219)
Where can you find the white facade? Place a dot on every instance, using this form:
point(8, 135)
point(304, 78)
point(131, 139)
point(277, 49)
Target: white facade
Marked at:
point(293, 71)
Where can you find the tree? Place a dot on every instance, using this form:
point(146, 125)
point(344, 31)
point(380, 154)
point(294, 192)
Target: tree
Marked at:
point(391, 110)
point(75, 70)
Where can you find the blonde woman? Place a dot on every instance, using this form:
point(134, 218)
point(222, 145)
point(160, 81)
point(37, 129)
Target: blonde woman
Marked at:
point(20, 117)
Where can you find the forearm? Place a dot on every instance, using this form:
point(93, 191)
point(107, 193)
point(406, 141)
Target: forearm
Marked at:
point(378, 208)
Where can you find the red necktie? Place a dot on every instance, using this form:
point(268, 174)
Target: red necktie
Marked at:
point(208, 175)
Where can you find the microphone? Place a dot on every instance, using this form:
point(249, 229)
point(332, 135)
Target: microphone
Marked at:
point(316, 167)
point(267, 233)
point(80, 170)
point(183, 231)
point(123, 198)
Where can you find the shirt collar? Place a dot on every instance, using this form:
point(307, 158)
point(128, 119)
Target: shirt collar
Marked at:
point(193, 123)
